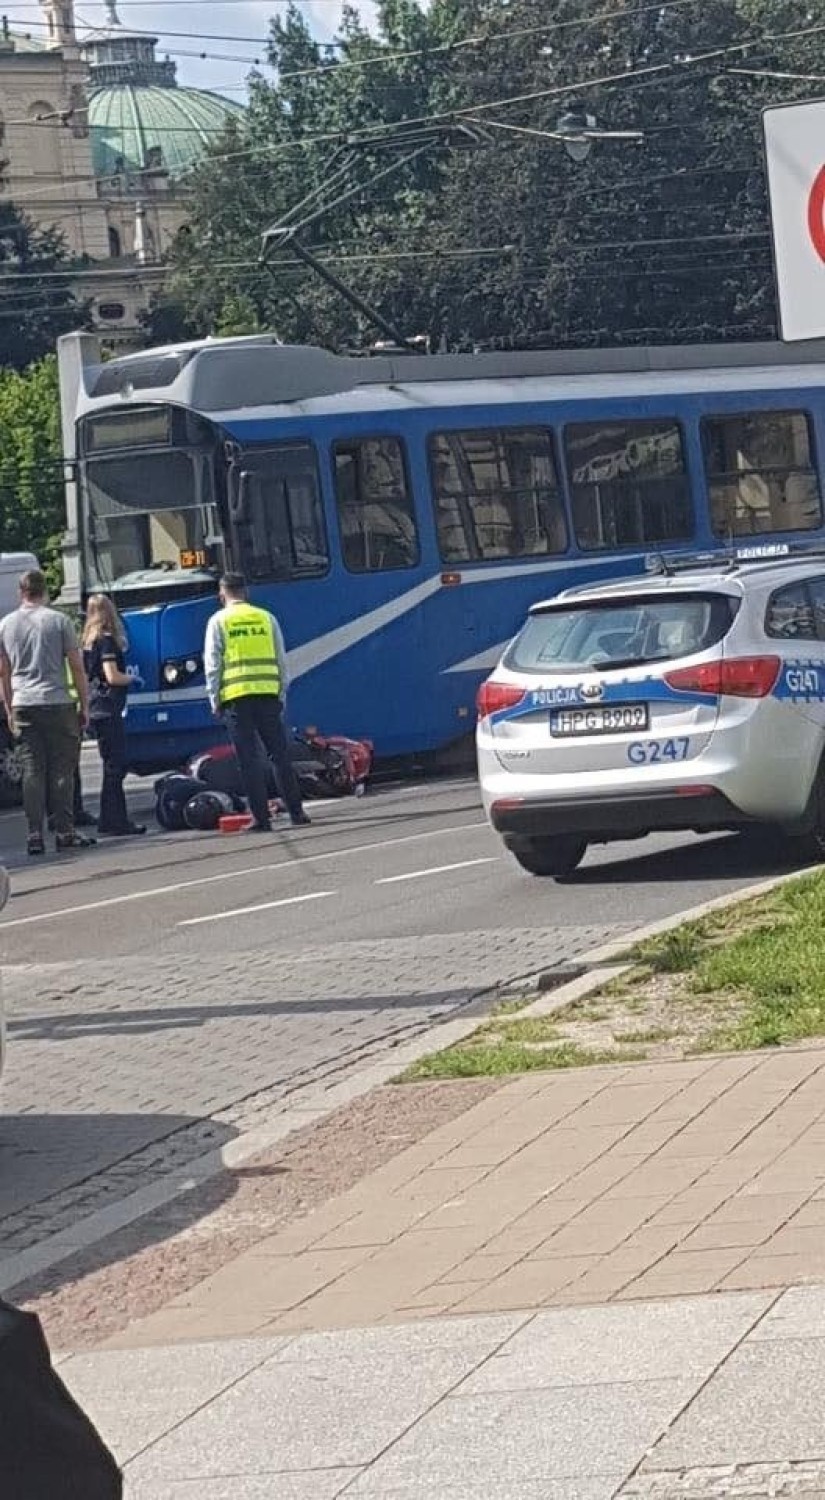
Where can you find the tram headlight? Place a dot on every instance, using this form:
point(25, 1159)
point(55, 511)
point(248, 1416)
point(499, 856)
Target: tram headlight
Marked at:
point(180, 670)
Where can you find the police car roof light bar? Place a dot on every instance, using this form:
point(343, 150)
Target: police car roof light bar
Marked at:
point(731, 558)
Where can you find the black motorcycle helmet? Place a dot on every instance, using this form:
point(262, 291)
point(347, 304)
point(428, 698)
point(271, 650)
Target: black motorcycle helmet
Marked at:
point(218, 773)
point(171, 796)
point(205, 810)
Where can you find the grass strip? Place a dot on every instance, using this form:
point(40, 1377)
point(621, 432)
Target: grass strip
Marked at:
point(746, 977)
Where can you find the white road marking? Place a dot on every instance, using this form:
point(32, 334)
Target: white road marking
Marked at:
point(186, 885)
point(465, 864)
point(243, 911)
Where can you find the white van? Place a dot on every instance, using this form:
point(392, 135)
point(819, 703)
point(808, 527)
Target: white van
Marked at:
point(12, 564)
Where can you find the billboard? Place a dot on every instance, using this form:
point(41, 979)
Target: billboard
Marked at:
point(795, 158)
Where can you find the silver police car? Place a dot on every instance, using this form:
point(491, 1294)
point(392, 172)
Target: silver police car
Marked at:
point(694, 699)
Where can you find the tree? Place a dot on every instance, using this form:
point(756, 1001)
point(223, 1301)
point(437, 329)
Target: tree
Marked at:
point(636, 243)
point(36, 299)
point(32, 504)
point(237, 317)
point(492, 235)
point(294, 138)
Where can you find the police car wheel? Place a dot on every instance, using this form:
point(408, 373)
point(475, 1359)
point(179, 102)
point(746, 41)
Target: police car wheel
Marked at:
point(810, 845)
point(804, 843)
point(816, 839)
point(553, 857)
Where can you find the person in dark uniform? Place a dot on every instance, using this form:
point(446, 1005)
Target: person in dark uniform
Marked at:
point(104, 657)
point(246, 679)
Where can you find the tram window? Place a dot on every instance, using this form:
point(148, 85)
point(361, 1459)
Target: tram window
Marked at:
point(761, 473)
point(497, 494)
point(375, 507)
point(628, 483)
point(280, 528)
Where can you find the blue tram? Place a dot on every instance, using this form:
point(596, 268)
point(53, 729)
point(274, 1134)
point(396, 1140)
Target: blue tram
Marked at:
point(400, 513)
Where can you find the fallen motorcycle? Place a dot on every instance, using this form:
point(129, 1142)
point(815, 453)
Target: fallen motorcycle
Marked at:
point(325, 765)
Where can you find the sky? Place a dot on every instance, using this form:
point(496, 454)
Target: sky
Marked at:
point(245, 22)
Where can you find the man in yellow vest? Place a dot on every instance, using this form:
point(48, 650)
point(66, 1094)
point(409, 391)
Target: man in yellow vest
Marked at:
point(246, 679)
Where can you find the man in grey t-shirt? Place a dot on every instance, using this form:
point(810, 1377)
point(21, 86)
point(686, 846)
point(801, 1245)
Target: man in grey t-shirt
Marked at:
point(36, 645)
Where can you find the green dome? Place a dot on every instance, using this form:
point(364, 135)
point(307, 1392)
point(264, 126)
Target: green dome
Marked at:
point(129, 120)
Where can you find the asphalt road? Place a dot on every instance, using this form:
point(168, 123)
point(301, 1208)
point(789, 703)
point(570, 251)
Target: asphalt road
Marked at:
point(161, 993)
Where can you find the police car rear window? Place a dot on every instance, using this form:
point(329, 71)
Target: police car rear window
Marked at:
point(606, 635)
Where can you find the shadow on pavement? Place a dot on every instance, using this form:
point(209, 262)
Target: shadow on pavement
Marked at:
point(731, 857)
point(56, 1170)
point(125, 1023)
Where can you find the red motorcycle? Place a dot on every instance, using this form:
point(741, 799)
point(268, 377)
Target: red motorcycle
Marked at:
point(326, 766)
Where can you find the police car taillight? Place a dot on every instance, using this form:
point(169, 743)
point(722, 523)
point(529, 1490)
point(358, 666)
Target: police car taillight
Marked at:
point(736, 677)
point(492, 697)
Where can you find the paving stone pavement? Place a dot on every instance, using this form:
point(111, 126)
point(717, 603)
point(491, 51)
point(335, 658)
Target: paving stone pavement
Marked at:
point(90, 1111)
point(585, 1403)
point(777, 1481)
point(601, 1184)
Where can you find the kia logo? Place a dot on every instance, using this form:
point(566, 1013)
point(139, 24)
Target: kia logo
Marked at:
point(592, 692)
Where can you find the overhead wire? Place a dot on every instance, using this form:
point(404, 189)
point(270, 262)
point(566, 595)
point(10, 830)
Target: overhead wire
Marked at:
point(381, 59)
point(676, 64)
point(677, 174)
point(9, 280)
point(612, 80)
point(374, 132)
point(383, 56)
point(711, 263)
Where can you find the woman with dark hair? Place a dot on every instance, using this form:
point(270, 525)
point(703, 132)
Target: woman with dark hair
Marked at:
point(104, 656)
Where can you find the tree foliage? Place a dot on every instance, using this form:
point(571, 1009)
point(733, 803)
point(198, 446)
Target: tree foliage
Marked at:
point(37, 300)
point(32, 504)
point(491, 234)
point(37, 307)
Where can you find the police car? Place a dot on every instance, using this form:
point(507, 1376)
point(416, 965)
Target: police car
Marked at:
point(692, 698)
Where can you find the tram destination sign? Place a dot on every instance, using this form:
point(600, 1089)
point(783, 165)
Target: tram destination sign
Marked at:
point(136, 427)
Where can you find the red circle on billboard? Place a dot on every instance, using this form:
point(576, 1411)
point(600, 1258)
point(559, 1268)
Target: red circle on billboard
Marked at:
point(816, 214)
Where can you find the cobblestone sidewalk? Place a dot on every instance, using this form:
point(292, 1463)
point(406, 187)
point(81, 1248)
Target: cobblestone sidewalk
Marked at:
point(121, 1071)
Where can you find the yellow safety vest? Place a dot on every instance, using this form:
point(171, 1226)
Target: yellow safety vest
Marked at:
point(70, 682)
point(250, 653)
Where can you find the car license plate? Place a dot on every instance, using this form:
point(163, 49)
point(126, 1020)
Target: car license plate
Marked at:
point(606, 718)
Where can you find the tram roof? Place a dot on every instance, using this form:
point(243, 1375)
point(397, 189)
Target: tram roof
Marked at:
point(256, 377)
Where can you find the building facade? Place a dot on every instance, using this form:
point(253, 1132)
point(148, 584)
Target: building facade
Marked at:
point(96, 138)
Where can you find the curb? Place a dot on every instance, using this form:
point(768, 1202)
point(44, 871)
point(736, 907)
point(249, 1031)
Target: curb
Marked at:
point(601, 965)
point(609, 962)
point(308, 1109)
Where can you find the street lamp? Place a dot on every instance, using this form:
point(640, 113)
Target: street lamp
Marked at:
point(577, 130)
